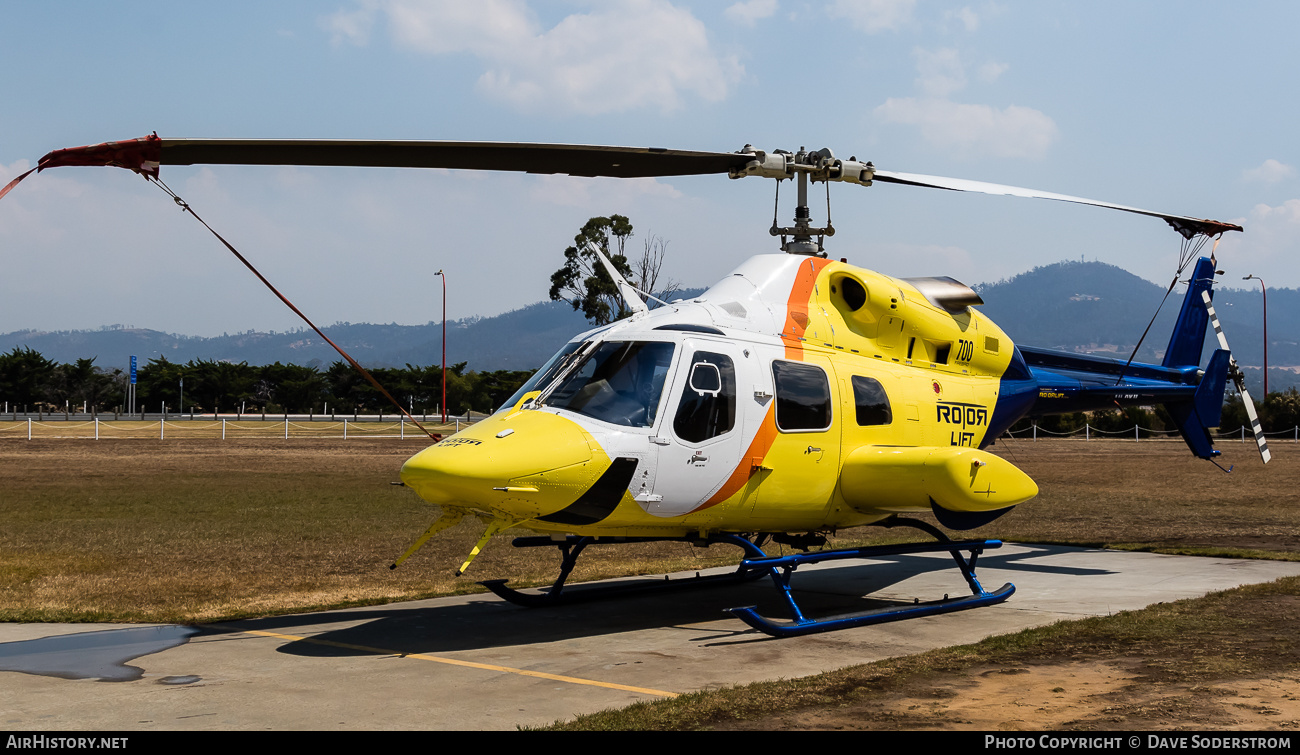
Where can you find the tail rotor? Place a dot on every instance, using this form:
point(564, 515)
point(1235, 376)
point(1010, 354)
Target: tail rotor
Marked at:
point(1240, 380)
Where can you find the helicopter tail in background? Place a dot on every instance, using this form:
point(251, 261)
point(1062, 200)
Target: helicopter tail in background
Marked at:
point(1069, 382)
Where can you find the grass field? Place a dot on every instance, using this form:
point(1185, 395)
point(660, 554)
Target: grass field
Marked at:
point(192, 530)
point(195, 530)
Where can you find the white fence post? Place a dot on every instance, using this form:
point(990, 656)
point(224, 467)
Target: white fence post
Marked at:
point(1087, 431)
point(29, 428)
point(97, 428)
point(162, 424)
point(286, 427)
point(223, 428)
point(403, 431)
point(345, 428)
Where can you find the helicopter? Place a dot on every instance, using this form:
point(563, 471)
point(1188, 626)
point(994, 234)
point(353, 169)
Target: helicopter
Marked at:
point(797, 396)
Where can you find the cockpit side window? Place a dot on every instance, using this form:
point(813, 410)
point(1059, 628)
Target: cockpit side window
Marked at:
point(803, 396)
point(619, 382)
point(708, 405)
point(872, 403)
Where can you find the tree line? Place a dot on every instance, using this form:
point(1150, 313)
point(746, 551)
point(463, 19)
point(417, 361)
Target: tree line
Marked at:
point(29, 381)
point(1278, 412)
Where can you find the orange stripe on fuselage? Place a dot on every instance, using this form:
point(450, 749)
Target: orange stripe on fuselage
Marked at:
point(752, 459)
point(796, 324)
point(796, 317)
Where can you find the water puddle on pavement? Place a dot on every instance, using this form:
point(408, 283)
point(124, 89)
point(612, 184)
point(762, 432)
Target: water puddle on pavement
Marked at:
point(101, 655)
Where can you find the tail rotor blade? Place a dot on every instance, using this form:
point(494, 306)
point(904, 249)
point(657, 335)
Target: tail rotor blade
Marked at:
point(1240, 381)
point(1255, 426)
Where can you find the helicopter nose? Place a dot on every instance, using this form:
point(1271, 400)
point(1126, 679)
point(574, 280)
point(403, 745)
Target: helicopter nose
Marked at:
point(521, 465)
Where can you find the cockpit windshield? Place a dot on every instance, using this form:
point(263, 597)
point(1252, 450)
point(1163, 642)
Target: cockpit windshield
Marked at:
point(546, 374)
point(619, 382)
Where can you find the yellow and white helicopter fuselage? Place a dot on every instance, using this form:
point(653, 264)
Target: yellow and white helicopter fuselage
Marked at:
point(796, 395)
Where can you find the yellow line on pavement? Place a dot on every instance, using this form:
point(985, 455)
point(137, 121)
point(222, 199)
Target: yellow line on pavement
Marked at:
point(468, 664)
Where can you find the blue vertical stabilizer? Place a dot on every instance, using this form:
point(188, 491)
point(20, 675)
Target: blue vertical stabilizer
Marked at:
point(1195, 418)
point(1188, 338)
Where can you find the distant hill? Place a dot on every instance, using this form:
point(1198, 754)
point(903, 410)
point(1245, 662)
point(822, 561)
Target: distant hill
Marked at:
point(1088, 307)
point(1096, 308)
point(521, 339)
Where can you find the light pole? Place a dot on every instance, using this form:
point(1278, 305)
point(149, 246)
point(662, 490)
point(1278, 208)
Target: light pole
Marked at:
point(444, 345)
point(1264, 290)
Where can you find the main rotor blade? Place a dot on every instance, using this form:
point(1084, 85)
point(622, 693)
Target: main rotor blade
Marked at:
point(147, 154)
point(570, 159)
point(1188, 227)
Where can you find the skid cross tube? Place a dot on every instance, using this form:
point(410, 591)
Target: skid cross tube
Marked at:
point(572, 546)
point(782, 568)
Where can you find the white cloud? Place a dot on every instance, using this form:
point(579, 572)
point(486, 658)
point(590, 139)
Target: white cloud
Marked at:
point(619, 56)
point(1270, 172)
point(990, 72)
point(942, 72)
point(10, 172)
point(968, 18)
point(749, 12)
point(972, 130)
point(873, 16)
point(1287, 213)
point(488, 28)
point(939, 73)
point(1267, 247)
point(350, 26)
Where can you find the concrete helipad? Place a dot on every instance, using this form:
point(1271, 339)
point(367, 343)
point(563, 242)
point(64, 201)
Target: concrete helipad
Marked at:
point(474, 662)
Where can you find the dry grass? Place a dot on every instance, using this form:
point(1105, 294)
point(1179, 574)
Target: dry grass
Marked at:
point(1229, 660)
point(200, 530)
point(193, 530)
point(1155, 495)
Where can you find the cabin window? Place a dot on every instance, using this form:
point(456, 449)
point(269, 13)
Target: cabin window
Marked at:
point(708, 405)
point(803, 397)
point(619, 382)
point(872, 403)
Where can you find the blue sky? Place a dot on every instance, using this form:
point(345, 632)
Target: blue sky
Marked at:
point(1180, 107)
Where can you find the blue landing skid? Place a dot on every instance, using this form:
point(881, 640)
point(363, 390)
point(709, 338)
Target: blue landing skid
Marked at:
point(782, 568)
point(755, 565)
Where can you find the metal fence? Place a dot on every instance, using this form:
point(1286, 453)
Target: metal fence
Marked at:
point(376, 426)
point(225, 428)
point(1138, 432)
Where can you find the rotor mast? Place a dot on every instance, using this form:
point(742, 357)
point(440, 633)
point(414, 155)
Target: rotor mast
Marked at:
point(804, 166)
